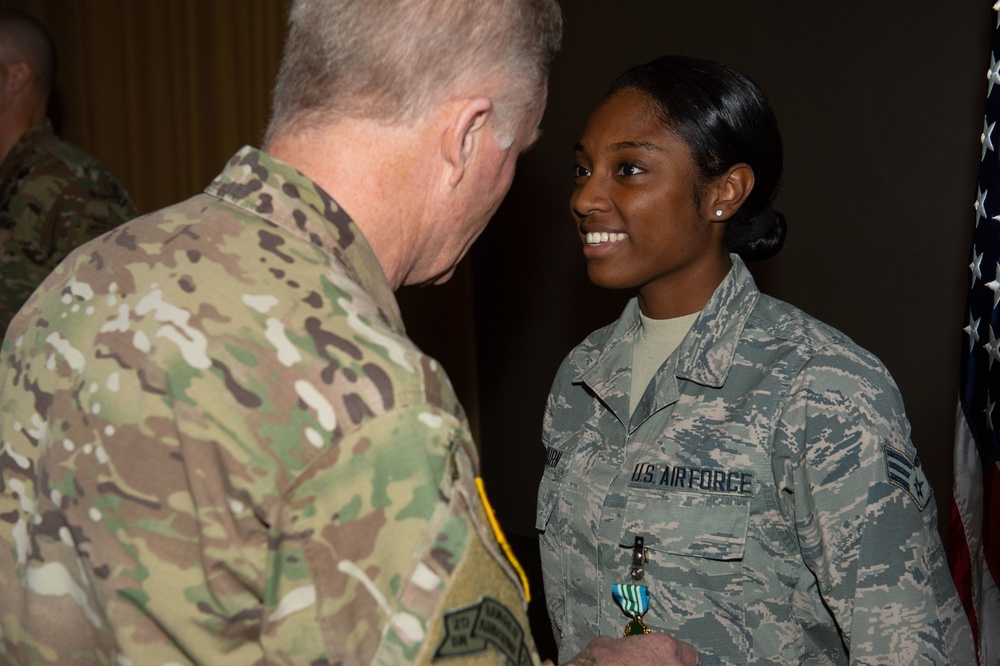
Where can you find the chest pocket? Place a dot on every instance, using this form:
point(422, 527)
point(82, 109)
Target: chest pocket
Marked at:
point(688, 524)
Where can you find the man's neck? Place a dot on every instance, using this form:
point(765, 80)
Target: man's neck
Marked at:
point(377, 174)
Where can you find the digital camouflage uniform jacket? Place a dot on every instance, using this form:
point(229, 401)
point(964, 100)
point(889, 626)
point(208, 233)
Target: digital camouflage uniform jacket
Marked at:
point(769, 469)
point(220, 447)
point(53, 197)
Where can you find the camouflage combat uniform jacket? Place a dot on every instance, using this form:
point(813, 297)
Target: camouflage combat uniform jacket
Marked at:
point(768, 468)
point(53, 198)
point(220, 447)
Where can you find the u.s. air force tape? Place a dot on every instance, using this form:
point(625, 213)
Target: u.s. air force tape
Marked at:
point(479, 626)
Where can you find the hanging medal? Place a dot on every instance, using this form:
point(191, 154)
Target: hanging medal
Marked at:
point(633, 598)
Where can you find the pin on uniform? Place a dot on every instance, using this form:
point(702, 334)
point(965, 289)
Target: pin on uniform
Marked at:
point(634, 597)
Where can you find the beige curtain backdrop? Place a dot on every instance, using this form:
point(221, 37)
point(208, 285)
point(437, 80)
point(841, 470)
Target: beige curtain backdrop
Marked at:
point(162, 91)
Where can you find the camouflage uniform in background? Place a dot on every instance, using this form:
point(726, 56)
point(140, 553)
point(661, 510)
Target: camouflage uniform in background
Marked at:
point(220, 447)
point(53, 197)
point(769, 469)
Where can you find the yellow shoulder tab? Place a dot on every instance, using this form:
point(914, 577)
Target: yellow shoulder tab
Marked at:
point(501, 539)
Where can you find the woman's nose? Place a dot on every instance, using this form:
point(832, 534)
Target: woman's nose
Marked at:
point(588, 198)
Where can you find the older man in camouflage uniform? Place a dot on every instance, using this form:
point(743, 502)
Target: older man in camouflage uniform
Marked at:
point(53, 195)
point(768, 470)
point(219, 445)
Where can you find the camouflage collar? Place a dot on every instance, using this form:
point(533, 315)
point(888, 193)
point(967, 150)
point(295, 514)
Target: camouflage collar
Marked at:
point(278, 193)
point(706, 354)
point(35, 134)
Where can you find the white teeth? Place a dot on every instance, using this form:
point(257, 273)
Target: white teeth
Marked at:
point(596, 238)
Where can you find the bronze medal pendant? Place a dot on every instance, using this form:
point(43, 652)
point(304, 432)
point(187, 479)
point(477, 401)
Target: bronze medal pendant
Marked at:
point(636, 627)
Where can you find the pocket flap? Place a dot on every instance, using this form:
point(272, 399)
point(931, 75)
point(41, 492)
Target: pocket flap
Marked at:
point(686, 523)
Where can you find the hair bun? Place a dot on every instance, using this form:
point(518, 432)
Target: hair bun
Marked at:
point(759, 237)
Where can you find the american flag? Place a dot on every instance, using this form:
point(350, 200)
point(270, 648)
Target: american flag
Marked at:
point(974, 530)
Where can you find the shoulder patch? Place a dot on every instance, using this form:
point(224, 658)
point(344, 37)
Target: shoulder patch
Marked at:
point(479, 626)
point(907, 474)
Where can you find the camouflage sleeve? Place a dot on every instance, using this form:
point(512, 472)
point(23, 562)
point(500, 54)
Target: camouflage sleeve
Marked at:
point(398, 553)
point(73, 210)
point(850, 480)
point(549, 544)
point(54, 212)
point(380, 553)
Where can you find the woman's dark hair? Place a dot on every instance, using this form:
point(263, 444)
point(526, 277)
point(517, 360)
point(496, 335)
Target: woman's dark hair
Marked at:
point(724, 119)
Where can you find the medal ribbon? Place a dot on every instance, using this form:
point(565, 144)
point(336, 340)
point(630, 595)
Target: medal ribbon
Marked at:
point(634, 599)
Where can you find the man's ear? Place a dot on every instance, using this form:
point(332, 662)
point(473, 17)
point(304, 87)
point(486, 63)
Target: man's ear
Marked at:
point(464, 132)
point(19, 76)
point(728, 192)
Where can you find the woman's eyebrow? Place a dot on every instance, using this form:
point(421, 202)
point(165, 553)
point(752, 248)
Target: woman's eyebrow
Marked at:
point(641, 145)
point(625, 145)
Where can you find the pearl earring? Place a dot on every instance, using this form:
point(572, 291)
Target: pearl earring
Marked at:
point(718, 213)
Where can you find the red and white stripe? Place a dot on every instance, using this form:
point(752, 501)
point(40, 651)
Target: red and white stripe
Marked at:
point(974, 542)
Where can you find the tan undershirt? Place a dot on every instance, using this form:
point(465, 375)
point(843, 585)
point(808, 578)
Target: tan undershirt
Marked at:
point(657, 339)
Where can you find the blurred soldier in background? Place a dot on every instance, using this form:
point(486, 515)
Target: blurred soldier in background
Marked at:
point(53, 195)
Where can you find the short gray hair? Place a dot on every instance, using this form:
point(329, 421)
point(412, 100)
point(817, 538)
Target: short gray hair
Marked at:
point(391, 60)
point(23, 37)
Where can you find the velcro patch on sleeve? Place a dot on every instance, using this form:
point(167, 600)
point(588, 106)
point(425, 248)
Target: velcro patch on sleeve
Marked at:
point(480, 626)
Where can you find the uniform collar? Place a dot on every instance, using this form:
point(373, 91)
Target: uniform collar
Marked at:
point(268, 188)
point(705, 356)
point(35, 134)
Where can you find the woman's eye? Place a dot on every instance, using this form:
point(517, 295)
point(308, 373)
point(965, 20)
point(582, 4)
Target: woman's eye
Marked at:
point(580, 172)
point(629, 170)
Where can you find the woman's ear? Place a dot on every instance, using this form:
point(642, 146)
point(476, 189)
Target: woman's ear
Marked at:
point(728, 192)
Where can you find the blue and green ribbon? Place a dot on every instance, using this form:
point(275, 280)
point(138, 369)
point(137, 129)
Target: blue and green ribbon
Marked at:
point(634, 599)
